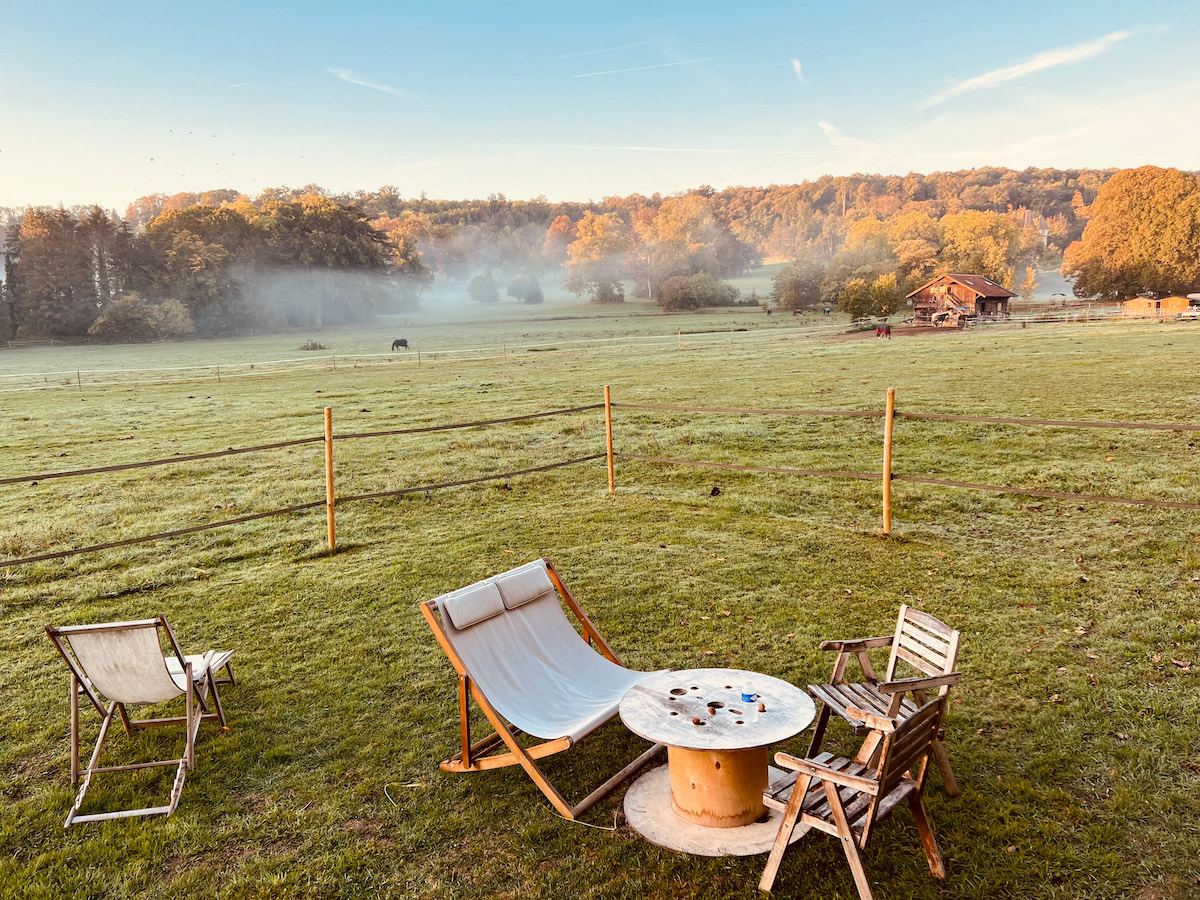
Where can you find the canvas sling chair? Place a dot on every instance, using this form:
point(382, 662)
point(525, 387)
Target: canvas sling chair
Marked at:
point(120, 664)
point(925, 644)
point(845, 798)
point(530, 673)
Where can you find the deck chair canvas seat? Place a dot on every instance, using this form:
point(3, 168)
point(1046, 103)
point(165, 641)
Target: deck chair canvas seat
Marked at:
point(117, 665)
point(924, 644)
point(846, 798)
point(530, 672)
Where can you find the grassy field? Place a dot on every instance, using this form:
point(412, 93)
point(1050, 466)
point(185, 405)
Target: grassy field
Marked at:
point(1073, 734)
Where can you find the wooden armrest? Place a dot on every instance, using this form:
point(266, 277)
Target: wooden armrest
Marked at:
point(872, 721)
point(825, 773)
point(897, 685)
point(856, 645)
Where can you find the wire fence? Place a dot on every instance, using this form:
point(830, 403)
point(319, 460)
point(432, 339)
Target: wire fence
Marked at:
point(80, 378)
point(884, 474)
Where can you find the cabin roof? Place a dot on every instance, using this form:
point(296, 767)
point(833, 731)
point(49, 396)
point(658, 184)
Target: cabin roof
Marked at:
point(984, 287)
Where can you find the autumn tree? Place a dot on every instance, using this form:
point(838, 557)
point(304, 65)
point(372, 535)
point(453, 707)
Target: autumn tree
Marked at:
point(798, 286)
point(980, 243)
point(1141, 236)
point(482, 288)
point(594, 258)
point(855, 299)
point(1029, 284)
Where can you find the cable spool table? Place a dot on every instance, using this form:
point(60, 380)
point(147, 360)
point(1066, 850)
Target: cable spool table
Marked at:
point(717, 757)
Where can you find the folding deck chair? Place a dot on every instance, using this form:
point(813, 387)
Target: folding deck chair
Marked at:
point(530, 672)
point(123, 663)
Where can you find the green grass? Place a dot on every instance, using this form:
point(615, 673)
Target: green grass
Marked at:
point(1073, 734)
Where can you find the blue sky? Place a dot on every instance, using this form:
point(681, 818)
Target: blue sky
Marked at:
point(105, 103)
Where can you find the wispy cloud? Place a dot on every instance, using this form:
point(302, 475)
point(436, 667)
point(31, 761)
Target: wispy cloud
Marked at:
point(682, 62)
point(351, 78)
point(741, 151)
point(239, 84)
point(1047, 60)
point(842, 142)
point(609, 49)
point(799, 71)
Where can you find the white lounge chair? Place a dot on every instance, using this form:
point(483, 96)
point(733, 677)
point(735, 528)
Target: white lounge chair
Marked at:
point(118, 664)
point(530, 672)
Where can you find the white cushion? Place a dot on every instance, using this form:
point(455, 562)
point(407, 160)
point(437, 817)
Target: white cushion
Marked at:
point(474, 604)
point(523, 585)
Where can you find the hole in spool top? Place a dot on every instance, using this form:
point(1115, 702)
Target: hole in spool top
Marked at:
point(678, 692)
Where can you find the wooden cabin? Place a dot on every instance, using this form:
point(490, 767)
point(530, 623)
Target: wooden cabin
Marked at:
point(949, 300)
point(1162, 308)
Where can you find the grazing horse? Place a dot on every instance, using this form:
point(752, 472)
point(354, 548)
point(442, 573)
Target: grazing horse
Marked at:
point(401, 343)
point(883, 329)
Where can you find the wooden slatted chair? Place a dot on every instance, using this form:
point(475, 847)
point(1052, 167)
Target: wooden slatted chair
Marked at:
point(119, 664)
point(844, 798)
point(928, 646)
point(530, 673)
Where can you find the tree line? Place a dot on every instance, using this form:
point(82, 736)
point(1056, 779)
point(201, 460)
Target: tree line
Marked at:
point(219, 261)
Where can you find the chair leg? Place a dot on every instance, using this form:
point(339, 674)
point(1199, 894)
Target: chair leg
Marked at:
point(87, 774)
point(814, 746)
point(212, 686)
point(943, 763)
point(846, 835)
point(791, 815)
point(190, 753)
point(74, 729)
point(928, 844)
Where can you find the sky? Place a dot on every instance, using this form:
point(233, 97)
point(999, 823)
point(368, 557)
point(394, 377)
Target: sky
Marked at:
point(104, 103)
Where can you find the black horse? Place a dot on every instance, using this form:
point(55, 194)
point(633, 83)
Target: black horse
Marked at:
point(401, 343)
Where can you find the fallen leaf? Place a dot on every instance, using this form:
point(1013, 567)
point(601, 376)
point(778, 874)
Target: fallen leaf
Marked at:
point(1092, 679)
point(1157, 657)
point(705, 617)
point(1054, 698)
point(1062, 670)
point(1092, 656)
point(726, 612)
point(1182, 663)
point(1108, 458)
point(1122, 736)
point(1011, 848)
point(707, 652)
point(942, 555)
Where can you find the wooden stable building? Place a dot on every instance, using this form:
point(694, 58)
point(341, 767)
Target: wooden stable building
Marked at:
point(1161, 308)
point(950, 300)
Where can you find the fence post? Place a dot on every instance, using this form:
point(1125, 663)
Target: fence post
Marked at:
point(78, 381)
point(889, 417)
point(418, 357)
point(612, 480)
point(329, 477)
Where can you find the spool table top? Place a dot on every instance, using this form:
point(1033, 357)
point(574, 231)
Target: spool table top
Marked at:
point(702, 709)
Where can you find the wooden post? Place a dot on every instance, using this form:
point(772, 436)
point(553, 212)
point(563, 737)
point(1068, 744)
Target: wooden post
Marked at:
point(418, 357)
point(218, 374)
point(505, 347)
point(679, 340)
point(78, 381)
point(612, 480)
point(889, 417)
point(329, 500)
point(333, 356)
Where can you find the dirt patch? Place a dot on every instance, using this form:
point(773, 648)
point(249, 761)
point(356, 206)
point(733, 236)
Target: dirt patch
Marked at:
point(899, 331)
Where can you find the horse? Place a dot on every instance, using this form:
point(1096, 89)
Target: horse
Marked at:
point(883, 329)
point(401, 343)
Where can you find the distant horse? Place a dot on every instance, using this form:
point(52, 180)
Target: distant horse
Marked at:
point(401, 343)
point(768, 312)
point(883, 329)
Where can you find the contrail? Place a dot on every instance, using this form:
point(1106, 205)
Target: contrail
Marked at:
point(609, 49)
point(354, 79)
point(682, 62)
point(759, 152)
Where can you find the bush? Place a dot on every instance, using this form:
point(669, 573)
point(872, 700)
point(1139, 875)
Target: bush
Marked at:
point(312, 345)
point(134, 318)
point(482, 289)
